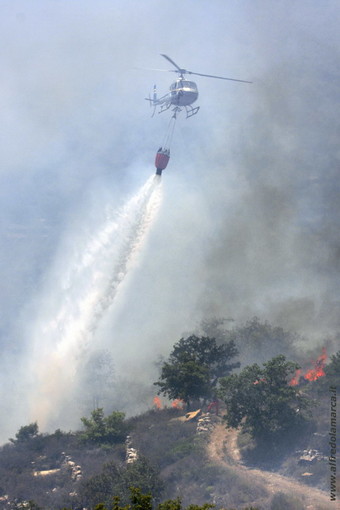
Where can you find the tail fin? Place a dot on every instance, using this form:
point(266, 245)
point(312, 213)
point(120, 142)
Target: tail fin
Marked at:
point(153, 101)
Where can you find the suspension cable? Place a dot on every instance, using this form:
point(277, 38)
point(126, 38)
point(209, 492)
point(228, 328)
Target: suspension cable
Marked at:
point(169, 133)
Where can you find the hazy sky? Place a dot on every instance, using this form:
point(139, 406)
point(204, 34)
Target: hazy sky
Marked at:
point(249, 219)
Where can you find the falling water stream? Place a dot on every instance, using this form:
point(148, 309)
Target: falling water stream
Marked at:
point(88, 285)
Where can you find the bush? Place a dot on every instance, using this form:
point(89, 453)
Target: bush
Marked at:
point(281, 501)
point(26, 433)
point(170, 437)
point(116, 481)
point(104, 430)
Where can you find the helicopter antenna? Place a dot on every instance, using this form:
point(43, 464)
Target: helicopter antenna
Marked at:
point(185, 71)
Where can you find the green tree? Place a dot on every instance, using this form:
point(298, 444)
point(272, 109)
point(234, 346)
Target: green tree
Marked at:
point(263, 402)
point(321, 386)
point(214, 327)
point(194, 368)
point(26, 433)
point(116, 481)
point(141, 501)
point(332, 371)
point(104, 430)
point(261, 341)
point(170, 504)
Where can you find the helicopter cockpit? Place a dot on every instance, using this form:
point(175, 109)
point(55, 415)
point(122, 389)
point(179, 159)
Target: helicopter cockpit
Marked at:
point(183, 92)
point(184, 84)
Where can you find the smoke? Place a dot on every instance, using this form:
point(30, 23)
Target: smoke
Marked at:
point(250, 207)
point(85, 283)
point(276, 255)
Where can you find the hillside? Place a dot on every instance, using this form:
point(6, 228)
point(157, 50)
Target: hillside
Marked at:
point(223, 449)
point(197, 460)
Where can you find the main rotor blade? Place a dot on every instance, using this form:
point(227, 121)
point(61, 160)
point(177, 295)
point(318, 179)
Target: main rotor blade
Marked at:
point(172, 62)
point(151, 69)
point(219, 77)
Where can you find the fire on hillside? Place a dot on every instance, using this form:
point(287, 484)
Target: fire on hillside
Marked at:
point(313, 373)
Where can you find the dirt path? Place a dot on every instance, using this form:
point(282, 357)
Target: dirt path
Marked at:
point(223, 449)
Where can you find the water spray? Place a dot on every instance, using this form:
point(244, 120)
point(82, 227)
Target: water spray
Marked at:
point(89, 286)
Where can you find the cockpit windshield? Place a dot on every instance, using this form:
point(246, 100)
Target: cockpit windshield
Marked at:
point(189, 84)
point(179, 84)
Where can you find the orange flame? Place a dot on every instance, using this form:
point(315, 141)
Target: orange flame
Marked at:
point(318, 370)
point(259, 380)
point(157, 402)
point(296, 378)
point(178, 404)
point(314, 373)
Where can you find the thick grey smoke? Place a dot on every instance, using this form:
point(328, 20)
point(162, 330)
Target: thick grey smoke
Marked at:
point(249, 219)
point(277, 253)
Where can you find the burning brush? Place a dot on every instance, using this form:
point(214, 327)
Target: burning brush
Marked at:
point(313, 373)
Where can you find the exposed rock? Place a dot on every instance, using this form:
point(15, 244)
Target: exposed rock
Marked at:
point(193, 415)
point(69, 465)
point(46, 472)
point(309, 456)
point(131, 453)
point(204, 424)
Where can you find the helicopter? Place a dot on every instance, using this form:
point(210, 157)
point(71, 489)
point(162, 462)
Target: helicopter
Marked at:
point(183, 93)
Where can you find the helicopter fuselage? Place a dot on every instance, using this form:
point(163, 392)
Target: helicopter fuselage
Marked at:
point(183, 92)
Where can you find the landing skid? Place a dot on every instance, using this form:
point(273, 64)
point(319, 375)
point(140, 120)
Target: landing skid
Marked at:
point(191, 111)
point(164, 107)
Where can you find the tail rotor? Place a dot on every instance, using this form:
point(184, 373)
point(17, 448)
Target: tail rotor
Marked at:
point(153, 100)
